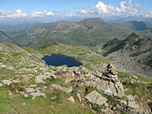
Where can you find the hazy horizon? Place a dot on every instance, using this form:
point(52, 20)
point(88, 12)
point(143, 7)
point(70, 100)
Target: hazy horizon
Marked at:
point(59, 10)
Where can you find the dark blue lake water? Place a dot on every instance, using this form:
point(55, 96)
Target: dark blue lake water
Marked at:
point(58, 60)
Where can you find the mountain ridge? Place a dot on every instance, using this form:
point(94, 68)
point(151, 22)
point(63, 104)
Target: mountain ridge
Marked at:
point(134, 51)
point(86, 32)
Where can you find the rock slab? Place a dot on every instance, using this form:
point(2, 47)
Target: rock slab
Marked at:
point(96, 98)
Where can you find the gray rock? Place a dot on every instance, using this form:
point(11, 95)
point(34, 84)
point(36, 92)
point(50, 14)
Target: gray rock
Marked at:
point(94, 84)
point(1, 84)
point(67, 90)
point(53, 76)
point(30, 90)
point(38, 94)
point(9, 93)
point(39, 79)
point(15, 81)
point(67, 80)
point(131, 98)
point(107, 111)
point(81, 85)
point(108, 92)
point(33, 85)
point(123, 102)
point(25, 95)
point(119, 90)
point(82, 78)
point(6, 82)
point(131, 102)
point(88, 83)
point(71, 99)
point(79, 96)
point(114, 76)
point(96, 98)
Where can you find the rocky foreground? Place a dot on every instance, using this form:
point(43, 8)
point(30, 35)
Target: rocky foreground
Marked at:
point(99, 92)
point(105, 87)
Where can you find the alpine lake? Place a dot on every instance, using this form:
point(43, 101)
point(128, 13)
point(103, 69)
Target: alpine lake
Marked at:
point(59, 60)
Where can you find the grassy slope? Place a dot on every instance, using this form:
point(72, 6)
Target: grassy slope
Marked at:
point(136, 84)
point(89, 58)
point(15, 104)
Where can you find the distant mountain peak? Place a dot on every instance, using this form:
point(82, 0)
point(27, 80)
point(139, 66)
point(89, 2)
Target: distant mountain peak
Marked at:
point(91, 21)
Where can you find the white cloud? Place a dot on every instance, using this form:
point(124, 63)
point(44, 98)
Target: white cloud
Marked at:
point(126, 8)
point(82, 11)
point(67, 15)
point(100, 8)
point(20, 13)
point(41, 14)
point(49, 13)
point(11, 14)
point(148, 14)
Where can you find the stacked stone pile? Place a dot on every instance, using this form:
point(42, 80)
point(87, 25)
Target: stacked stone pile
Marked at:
point(110, 72)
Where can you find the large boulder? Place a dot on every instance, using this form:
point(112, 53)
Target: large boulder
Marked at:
point(56, 86)
point(96, 98)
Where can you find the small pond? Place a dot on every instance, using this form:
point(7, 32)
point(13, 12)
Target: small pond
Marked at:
point(58, 60)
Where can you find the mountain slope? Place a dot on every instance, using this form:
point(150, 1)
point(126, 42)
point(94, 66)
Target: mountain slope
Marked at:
point(135, 52)
point(137, 26)
point(143, 28)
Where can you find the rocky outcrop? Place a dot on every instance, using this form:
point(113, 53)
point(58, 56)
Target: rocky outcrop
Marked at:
point(134, 105)
point(108, 82)
point(106, 86)
point(114, 41)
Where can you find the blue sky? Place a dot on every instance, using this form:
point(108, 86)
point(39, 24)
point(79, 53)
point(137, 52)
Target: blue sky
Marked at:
point(39, 8)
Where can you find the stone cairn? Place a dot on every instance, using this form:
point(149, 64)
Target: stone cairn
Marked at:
point(110, 72)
